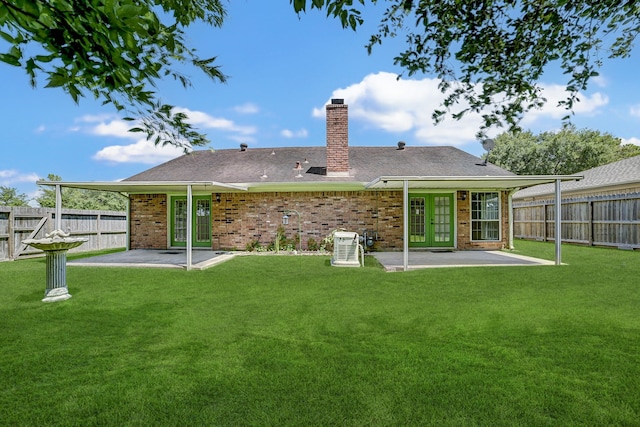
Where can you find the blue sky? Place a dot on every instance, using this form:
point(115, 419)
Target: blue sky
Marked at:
point(282, 71)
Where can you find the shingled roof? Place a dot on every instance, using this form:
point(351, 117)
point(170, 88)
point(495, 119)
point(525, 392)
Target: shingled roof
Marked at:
point(620, 173)
point(278, 165)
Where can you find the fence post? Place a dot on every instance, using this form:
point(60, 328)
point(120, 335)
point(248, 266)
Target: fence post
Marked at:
point(590, 215)
point(544, 222)
point(11, 250)
point(98, 235)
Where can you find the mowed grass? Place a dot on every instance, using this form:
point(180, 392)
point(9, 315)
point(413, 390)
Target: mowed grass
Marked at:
point(292, 341)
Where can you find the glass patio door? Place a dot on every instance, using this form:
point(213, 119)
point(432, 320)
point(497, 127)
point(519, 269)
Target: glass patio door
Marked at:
point(201, 221)
point(431, 220)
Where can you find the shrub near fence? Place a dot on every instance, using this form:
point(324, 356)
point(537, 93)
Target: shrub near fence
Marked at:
point(104, 229)
point(607, 220)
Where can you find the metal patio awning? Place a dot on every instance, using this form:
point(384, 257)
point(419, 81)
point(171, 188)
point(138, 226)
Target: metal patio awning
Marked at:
point(143, 187)
point(466, 182)
point(509, 182)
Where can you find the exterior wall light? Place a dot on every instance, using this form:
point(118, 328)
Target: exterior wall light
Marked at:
point(285, 221)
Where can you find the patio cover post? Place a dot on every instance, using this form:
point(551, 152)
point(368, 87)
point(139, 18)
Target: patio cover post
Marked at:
point(189, 225)
point(510, 201)
point(128, 243)
point(58, 221)
point(558, 232)
point(405, 240)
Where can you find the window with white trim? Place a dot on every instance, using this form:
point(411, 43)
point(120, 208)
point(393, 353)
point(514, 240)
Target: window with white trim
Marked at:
point(485, 215)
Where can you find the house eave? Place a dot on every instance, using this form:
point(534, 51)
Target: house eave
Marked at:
point(261, 187)
point(507, 182)
point(148, 187)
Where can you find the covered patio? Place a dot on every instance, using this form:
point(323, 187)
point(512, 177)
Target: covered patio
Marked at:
point(510, 183)
point(390, 261)
point(184, 258)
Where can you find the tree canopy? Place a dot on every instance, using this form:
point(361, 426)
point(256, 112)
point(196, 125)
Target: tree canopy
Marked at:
point(488, 55)
point(557, 153)
point(75, 198)
point(9, 196)
point(491, 55)
point(113, 50)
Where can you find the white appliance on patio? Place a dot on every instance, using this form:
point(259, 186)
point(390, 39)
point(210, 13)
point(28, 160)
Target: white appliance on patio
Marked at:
point(347, 250)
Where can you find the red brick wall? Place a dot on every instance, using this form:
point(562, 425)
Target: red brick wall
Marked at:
point(337, 139)
point(240, 218)
point(148, 221)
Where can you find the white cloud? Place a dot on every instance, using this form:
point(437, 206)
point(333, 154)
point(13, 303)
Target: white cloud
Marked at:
point(105, 125)
point(94, 118)
point(248, 108)
point(203, 120)
point(600, 81)
point(634, 110)
point(9, 177)
point(117, 128)
point(382, 101)
point(287, 133)
point(634, 141)
point(142, 151)
point(588, 105)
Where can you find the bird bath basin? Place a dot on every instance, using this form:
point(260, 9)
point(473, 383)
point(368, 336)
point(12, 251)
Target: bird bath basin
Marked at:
point(55, 245)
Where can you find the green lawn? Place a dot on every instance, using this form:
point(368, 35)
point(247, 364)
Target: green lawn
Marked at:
point(292, 341)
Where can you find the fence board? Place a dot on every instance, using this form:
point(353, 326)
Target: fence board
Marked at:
point(104, 229)
point(609, 220)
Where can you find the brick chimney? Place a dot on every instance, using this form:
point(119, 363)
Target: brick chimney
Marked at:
point(337, 138)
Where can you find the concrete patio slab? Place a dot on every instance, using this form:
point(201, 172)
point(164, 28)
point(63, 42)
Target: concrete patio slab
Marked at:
point(169, 258)
point(393, 261)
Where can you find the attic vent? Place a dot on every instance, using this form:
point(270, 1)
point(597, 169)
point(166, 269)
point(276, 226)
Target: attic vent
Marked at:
point(317, 170)
point(401, 145)
point(243, 147)
point(337, 101)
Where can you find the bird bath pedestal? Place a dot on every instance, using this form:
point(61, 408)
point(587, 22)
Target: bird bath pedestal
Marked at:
point(55, 245)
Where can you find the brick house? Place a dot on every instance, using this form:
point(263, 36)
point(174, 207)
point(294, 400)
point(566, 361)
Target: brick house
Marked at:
point(403, 197)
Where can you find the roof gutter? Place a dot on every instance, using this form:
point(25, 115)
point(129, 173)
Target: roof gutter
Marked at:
point(503, 182)
point(137, 186)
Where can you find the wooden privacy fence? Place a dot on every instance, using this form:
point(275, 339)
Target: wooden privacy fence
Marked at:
point(104, 229)
point(610, 220)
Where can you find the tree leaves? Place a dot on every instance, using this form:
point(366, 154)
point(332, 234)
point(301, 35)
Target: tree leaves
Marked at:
point(9, 196)
point(565, 152)
point(75, 198)
point(111, 50)
point(491, 55)
point(349, 16)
